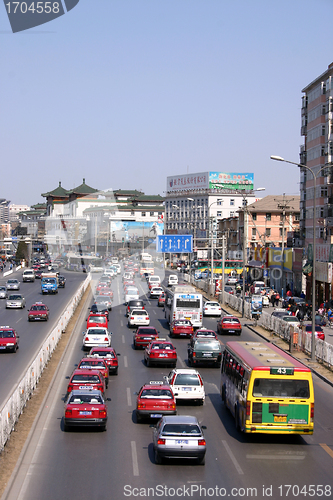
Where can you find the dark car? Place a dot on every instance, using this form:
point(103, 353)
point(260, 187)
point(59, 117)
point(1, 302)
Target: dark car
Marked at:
point(100, 308)
point(61, 281)
point(134, 304)
point(204, 351)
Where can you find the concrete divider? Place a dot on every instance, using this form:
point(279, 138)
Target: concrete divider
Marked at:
point(13, 407)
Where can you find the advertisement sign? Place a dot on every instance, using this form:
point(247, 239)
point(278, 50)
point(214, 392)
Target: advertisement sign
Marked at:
point(188, 181)
point(239, 181)
point(134, 230)
point(256, 304)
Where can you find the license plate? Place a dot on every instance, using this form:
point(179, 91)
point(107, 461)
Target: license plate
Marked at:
point(186, 388)
point(231, 331)
point(2, 347)
point(207, 354)
point(85, 387)
point(181, 441)
point(85, 413)
point(163, 355)
point(155, 415)
point(280, 418)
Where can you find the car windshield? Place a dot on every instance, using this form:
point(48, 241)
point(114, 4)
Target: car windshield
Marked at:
point(282, 388)
point(38, 308)
point(15, 297)
point(172, 429)
point(85, 398)
point(11, 282)
point(187, 379)
point(96, 331)
point(2, 289)
point(7, 334)
point(85, 378)
point(156, 394)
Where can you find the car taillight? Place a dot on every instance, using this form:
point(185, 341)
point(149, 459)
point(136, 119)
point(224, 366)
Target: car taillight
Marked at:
point(312, 411)
point(132, 317)
point(100, 388)
point(248, 409)
point(86, 339)
point(194, 355)
point(68, 413)
point(161, 441)
point(202, 442)
point(70, 388)
point(106, 339)
point(102, 413)
point(201, 381)
point(147, 317)
point(141, 405)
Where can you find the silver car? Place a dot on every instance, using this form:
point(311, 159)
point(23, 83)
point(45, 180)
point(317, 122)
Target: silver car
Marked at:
point(3, 292)
point(13, 284)
point(15, 301)
point(179, 436)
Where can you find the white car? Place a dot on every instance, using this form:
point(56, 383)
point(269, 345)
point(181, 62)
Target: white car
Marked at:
point(15, 301)
point(138, 317)
point(154, 281)
point(187, 384)
point(96, 337)
point(3, 292)
point(13, 284)
point(172, 280)
point(232, 280)
point(131, 294)
point(109, 272)
point(155, 292)
point(212, 309)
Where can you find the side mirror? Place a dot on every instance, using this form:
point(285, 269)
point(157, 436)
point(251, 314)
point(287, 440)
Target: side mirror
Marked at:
point(203, 427)
point(175, 394)
point(118, 354)
point(67, 378)
point(83, 333)
point(135, 393)
point(108, 399)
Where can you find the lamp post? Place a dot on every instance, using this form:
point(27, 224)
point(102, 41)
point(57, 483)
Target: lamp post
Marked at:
point(245, 211)
point(300, 165)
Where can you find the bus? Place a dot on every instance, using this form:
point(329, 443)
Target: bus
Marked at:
point(183, 302)
point(232, 267)
point(147, 267)
point(266, 390)
point(146, 257)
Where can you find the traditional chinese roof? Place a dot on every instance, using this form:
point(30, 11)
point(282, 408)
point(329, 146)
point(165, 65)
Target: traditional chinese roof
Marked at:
point(83, 189)
point(58, 192)
point(39, 206)
point(146, 197)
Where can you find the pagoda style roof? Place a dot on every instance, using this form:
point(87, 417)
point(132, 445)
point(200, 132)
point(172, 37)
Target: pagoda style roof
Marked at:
point(127, 192)
point(146, 197)
point(39, 206)
point(83, 189)
point(58, 192)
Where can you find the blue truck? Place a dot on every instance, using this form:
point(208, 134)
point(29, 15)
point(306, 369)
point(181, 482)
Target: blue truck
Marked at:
point(49, 283)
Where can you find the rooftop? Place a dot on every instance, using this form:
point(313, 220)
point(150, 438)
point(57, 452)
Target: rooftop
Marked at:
point(274, 203)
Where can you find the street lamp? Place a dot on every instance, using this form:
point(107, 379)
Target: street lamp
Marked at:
point(244, 194)
point(300, 165)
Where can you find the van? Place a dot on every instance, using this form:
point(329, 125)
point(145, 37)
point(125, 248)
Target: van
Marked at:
point(154, 281)
point(28, 275)
point(172, 280)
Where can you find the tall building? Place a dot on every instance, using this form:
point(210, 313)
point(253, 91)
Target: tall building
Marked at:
point(4, 211)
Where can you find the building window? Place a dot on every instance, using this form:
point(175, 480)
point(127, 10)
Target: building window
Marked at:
point(143, 214)
point(254, 232)
point(280, 231)
point(152, 214)
point(254, 216)
point(268, 231)
point(219, 214)
point(232, 202)
point(219, 202)
point(268, 216)
point(232, 214)
point(323, 192)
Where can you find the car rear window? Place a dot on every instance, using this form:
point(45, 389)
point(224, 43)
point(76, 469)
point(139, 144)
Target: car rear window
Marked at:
point(202, 344)
point(162, 346)
point(181, 429)
point(88, 364)
point(146, 331)
point(85, 378)
point(187, 379)
point(96, 331)
point(93, 398)
point(97, 319)
point(135, 303)
point(183, 322)
point(103, 354)
point(156, 393)
point(230, 320)
point(139, 313)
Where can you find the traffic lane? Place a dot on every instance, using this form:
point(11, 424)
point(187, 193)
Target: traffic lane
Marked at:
point(32, 334)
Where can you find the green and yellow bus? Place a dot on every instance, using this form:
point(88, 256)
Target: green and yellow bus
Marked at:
point(266, 390)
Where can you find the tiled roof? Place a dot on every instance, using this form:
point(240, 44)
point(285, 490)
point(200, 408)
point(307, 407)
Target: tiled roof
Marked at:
point(83, 189)
point(58, 192)
point(271, 204)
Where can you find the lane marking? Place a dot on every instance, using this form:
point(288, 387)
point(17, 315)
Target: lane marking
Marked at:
point(121, 322)
point(134, 459)
point(276, 457)
point(181, 362)
point(123, 339)
point(327, 449)
point(232, 456)
point(129, 399)
point(154, 311)
point(125, 362)
point(18, 320)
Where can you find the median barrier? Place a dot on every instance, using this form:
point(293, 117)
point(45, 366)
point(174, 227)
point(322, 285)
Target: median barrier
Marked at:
point(13, 407)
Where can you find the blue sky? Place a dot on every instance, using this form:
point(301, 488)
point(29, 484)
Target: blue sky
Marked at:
point(127, 92)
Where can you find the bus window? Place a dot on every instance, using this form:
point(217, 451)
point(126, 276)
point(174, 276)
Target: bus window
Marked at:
point(281, 388)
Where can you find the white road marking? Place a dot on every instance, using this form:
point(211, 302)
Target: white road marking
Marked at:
point(123, 339)
point(134, 459)
point(232, 456)
point(18, 320)
point(276, 457)
point(154, 311)
point(129, 399)
point(125, 362)
point(181, 362)
point(121, 322)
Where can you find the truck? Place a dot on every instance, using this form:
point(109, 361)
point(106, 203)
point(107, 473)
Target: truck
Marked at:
point(49, 283)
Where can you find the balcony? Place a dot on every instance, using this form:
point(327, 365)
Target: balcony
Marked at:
point(304, 130)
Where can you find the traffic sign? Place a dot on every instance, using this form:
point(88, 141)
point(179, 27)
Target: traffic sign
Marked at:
point(175, 243)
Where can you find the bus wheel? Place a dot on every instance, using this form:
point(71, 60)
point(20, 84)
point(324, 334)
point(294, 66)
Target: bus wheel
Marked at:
point(238, 427)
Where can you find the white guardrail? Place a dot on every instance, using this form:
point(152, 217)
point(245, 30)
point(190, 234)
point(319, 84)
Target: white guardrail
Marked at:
point(13, 407)
point(301, 340)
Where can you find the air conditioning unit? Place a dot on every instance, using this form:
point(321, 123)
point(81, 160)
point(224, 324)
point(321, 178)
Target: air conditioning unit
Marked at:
point(253, 238)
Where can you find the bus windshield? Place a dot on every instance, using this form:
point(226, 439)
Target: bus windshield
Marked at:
point(263, 387)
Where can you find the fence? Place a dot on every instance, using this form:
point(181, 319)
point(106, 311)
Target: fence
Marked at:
point(13, 407)
point(324, 350)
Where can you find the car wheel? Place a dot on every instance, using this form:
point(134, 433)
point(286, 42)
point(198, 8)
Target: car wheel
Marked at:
point(66, 428)
point(104, 427)
point(202, 461)
point(116, 371)
point(158, 458)
point(138, 418)
point(14, 349)
point(29, 320)
point(148, 362)
point(135, 346)
point(189, 361)
point(106, 384)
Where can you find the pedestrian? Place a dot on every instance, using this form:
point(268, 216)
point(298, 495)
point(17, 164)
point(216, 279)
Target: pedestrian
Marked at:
point(289, 294)
point(273, 299)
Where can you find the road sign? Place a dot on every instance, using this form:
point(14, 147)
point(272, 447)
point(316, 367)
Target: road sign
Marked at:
point(175, 243)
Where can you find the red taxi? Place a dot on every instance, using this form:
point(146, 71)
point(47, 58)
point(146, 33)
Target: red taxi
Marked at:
point(95, 364)
point(181, 328)
point(160, 352)
point(229, 324)
point(38, 311)
point(94, 320)
point(319, 332)
point(85, 408)
point(155, 400)
point(86, 379)
point(9, 340)
point(143, 336)
point(161, 300)
point(109, 356)
point(106, 292)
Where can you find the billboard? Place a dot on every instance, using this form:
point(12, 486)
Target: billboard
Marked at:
point(134, 230)
point(211, 180)
point(222, 180)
